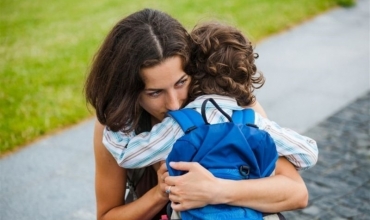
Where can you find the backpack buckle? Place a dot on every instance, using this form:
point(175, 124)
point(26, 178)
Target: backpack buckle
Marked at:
point(244, 171)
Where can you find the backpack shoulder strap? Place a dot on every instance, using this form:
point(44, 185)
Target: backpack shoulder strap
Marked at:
point(188, 118)
point(245, 116)
point(133, 178)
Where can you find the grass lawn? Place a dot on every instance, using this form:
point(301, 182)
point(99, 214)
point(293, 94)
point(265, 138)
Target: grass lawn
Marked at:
point(46, 48)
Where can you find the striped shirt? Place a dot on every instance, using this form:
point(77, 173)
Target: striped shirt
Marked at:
point(136, 151)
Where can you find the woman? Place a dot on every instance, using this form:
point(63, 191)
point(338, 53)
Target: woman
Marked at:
point(137, 76)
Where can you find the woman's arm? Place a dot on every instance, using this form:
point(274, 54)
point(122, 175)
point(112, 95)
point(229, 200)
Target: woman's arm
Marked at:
point(110, 187)
point(284, 191)
point(258, 108)
point(197, 188)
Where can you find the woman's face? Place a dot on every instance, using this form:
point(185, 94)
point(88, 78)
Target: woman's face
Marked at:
point(166, 88)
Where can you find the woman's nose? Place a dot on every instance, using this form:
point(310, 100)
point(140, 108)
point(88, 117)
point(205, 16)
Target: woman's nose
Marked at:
point(172, 101)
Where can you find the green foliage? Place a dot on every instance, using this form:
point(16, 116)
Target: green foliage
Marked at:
point(46, 48)
point(346, 3)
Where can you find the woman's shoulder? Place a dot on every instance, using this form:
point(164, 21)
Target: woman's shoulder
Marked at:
point(98, 128)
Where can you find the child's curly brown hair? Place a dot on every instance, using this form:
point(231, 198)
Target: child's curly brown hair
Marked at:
point(223, 63)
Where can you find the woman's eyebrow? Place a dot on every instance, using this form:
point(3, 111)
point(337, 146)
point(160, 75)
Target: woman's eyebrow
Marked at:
point(155, 90)
point(182, 78)
point(152, 90)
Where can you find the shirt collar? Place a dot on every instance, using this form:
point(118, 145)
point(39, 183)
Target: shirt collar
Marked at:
point(222, 101)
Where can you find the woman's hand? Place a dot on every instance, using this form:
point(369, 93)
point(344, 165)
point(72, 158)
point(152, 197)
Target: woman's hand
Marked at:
point(194, 189)
point(162, 173)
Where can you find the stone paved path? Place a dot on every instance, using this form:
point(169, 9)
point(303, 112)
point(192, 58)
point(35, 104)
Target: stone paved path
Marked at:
point(339, 184)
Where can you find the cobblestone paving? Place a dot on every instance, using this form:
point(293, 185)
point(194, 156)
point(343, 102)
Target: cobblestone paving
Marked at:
point(339, 184)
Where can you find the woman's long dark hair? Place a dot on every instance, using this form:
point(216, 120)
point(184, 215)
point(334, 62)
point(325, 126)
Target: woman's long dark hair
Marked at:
point(143, 39)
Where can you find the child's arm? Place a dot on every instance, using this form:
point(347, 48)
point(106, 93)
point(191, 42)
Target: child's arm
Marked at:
point(300, 150)
point(144, 149)
point(116, 142)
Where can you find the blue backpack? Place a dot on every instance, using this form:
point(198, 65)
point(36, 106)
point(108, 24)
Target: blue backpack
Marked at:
point(234, 150)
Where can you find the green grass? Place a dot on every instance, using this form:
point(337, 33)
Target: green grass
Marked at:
point(46, 48)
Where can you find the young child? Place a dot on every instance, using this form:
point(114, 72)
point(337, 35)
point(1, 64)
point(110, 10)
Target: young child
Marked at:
point(222, 67)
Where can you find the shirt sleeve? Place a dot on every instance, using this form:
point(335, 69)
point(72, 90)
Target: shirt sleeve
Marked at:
point(116, 142)
point(300, 150)
point(147, 148)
